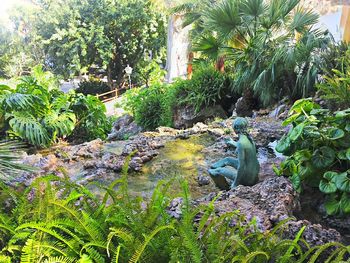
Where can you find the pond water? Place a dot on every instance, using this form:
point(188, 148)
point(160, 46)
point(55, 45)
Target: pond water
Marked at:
point(180, 159)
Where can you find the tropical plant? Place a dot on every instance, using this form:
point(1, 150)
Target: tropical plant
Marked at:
point(271, 43)
point(40, 114)
point(35, 114)
point(55, 220)
point(318, 150)
point(90, 113)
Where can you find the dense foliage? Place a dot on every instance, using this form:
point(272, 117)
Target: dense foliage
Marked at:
point(154, 106)
point(70, 36)
point(336, 85)
point(318, 150)
point(40, 114)
point(55, 220)
point(271, 44)
point(92, 87)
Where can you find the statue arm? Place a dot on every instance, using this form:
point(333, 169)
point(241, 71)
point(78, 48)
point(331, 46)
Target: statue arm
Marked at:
point(231, 143)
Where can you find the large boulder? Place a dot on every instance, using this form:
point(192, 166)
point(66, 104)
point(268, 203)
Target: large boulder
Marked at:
point(185, 117)
point(123, 128)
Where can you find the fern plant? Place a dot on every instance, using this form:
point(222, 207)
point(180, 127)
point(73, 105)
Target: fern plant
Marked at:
point(55, 220)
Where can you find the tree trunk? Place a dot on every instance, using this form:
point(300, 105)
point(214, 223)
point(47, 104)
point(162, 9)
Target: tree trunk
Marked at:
point(178, 45)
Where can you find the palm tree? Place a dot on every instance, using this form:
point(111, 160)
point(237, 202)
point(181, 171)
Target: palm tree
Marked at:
point(269, 42)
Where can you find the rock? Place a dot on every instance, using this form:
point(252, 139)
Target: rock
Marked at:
point(185, 117)
point(123, 128)
point(270, 201)
point(203, 180)
point(314, 234)
point(243, 108)
point(278, 111)
point(174, 208)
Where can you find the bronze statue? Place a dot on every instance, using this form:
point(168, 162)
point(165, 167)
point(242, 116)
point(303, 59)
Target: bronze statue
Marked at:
point(241, 171)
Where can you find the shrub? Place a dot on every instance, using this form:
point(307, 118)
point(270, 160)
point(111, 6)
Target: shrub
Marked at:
point(206, 88)
point(151, 107)
point(154, 106)
point(92, 87)
point(318, 150)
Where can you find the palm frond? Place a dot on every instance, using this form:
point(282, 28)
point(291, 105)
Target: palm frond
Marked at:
point(10, 156)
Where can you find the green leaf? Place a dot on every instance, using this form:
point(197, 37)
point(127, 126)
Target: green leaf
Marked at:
point(304, 105)
point(283, 144)
point(342, 155)
point(342, 114)
point(336, 134)
point(323, 157)
point(328, 185)
point(319, 112)
point(342, 182)
point(332, 205)
point(347, 127)
point(345, 203)
point(290, 119)
point(296, 132)
point(348, 154)
point(295, 179)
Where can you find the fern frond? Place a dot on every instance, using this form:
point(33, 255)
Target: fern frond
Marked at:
point(138, 253)
point(254, 255)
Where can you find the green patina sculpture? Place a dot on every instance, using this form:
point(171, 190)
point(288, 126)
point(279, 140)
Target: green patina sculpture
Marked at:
point(241, 171)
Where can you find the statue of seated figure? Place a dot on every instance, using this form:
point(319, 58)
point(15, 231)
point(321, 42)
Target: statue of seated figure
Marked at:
point(241, 171)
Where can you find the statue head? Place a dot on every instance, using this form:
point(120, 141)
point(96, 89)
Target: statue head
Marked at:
point(240, 125)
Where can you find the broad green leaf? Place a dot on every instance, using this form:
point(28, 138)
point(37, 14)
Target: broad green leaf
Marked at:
point(332, 205)
point(296, 132)
point(342, 155)
point(342, 114)
point(319, 112)
point(290, 119)
point(295, 179)
point(323, 157)
point(348, 154)
point(328, 185)
point(342, 182)
point(345, 203)
point(335, 134)
point(283, 145)
point(347, 127)
point(304, 105)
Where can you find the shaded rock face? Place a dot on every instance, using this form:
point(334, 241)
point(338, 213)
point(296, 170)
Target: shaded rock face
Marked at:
point(185, 117)
point(123, 128)
point(243, 108)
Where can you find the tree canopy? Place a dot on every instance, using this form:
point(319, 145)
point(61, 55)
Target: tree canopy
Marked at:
point(73, 35)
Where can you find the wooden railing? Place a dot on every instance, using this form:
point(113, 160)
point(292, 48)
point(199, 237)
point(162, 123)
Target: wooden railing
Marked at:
point(116, 92)
point(107, 93)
